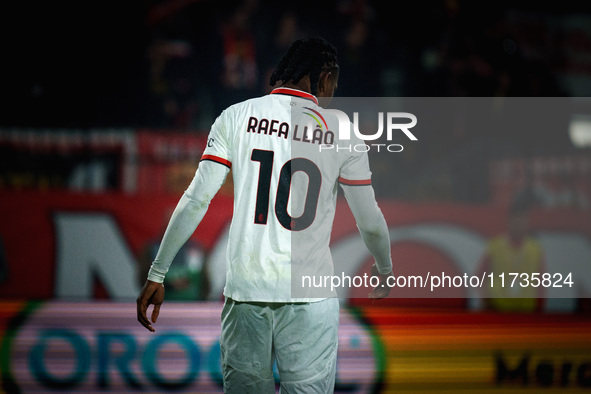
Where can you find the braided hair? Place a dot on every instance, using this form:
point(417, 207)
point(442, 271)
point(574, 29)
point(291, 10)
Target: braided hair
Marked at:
point(308, 56)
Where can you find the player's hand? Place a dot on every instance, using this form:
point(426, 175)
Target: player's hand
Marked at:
point(382, 289)
point(152, 293)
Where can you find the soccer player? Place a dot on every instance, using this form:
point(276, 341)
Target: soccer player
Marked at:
point(267, 144)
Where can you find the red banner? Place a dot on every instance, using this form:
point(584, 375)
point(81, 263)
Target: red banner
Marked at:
point(88, 246)
point(31, 232)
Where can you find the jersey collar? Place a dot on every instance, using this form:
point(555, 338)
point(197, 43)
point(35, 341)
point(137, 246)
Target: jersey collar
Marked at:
point(296, 93)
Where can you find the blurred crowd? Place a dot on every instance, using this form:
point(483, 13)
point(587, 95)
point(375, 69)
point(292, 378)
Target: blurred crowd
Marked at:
point(176, 64)
point(203, 56)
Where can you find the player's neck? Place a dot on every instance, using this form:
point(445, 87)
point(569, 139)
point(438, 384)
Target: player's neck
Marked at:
point(303, 85)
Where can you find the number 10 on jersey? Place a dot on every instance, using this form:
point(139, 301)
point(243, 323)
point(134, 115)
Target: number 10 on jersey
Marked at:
point(265, 158)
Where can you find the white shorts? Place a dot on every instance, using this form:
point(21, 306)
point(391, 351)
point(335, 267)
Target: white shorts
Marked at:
point(302, 337)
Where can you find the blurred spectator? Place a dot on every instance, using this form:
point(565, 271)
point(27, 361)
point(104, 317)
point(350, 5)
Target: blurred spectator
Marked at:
point(172, 83)
point(516, 251)
point(234, 64)
point(360, 51)
point(174, 64)
point(356, 10)
point(360, 66)
point(288, 31)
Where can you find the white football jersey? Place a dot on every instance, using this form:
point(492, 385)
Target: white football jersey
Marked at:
point(287, 160)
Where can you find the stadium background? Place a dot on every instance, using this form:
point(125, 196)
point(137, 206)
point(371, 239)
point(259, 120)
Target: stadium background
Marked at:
point(104, 110)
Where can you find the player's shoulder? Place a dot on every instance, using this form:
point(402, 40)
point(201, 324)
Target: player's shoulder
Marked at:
point(248, 104)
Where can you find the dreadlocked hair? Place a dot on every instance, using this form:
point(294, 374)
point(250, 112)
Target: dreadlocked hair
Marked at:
point(308, 56)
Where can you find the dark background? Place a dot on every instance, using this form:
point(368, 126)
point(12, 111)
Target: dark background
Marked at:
point(93, 63)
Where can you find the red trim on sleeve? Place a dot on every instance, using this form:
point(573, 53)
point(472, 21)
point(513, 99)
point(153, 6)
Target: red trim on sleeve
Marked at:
point(360, 182)
point(224, 162)
point(295, 92)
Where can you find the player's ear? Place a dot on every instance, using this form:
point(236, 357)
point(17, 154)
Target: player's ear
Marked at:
point(323, 82)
